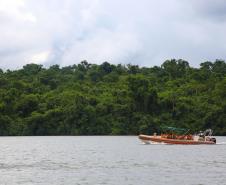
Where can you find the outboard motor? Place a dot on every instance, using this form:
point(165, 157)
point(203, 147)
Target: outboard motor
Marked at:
point(213, 139)
point(209, 132)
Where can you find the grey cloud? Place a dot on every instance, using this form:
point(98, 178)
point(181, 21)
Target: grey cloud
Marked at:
point(143, 32)
point(211, 9)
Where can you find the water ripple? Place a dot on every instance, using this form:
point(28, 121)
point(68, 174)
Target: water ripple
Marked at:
point(108, 160)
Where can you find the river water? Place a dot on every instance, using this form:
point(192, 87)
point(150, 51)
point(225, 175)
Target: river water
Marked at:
point(115, 160)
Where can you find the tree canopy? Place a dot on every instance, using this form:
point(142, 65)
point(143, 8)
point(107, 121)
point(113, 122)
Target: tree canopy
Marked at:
point(107, 99)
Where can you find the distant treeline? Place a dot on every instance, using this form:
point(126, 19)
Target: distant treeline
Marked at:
point(106, 99)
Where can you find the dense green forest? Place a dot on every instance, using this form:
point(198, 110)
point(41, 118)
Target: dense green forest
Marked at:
point(106, 99)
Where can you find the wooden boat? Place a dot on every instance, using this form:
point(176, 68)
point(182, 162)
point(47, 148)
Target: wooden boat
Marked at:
point(184, 139)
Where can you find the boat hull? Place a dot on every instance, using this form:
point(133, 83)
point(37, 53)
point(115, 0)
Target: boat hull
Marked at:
point(158, 139)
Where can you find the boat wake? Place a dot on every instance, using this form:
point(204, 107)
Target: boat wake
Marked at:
point(153, 143)
point(221, 143)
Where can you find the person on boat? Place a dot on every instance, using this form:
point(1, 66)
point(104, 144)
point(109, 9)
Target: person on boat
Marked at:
point(201, 136)
point(189, 137)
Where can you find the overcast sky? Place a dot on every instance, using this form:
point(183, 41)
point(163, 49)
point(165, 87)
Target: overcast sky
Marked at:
point(143, 32)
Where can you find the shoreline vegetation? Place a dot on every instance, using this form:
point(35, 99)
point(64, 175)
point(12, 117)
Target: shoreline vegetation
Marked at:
point(107, 99)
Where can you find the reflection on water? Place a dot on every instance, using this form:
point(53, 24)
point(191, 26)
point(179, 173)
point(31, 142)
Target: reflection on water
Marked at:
point(108, 160)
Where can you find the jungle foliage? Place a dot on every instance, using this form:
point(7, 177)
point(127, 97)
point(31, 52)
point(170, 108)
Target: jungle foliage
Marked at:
point(107, 99)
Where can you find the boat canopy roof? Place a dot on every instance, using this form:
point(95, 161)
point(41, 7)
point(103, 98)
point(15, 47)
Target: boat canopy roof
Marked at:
point(174, 129)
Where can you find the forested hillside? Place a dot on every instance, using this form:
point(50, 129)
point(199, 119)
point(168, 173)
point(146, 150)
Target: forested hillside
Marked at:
point(106, 99)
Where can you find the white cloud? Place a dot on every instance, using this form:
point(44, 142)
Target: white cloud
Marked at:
point(15, 9)
point(40, 57)
point(109, 46)
point(143, 32)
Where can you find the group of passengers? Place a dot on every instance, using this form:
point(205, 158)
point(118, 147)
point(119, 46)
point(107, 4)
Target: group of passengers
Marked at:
point(174, 136)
